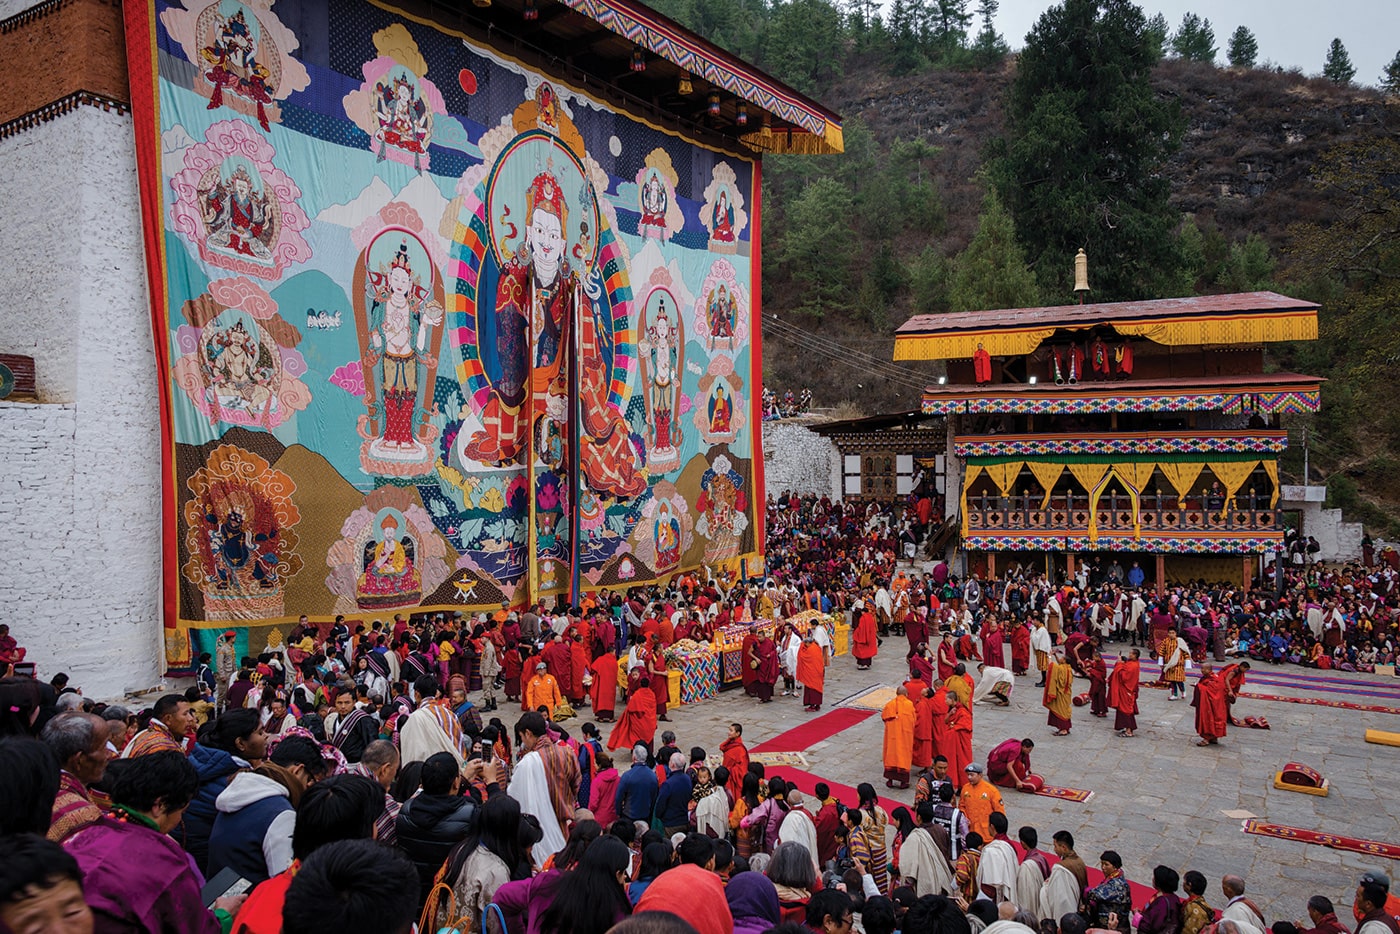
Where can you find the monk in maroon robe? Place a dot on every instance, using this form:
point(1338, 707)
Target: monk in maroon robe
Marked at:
point(1020, 649)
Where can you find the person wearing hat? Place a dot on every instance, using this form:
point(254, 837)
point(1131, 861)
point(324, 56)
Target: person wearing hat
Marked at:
point(542, 691)
point(1374, 907)
point(977, 800)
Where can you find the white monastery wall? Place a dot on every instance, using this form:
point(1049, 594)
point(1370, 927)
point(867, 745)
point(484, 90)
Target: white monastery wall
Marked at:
point(80, 472)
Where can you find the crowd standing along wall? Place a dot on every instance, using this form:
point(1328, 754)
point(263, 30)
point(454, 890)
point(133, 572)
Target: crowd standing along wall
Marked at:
point(80, 471)
point(412, 295)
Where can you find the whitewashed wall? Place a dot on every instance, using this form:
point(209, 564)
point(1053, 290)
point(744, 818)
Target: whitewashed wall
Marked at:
point(80, 472)
point(797, 459)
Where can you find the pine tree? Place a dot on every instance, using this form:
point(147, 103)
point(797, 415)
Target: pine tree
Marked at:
point(992, 271)
point(947, 29)
point(1390, 78)
point(989, 47)
point(1156, 35)
point(1088, 137)
point(1243, 50)
point(1194, 39)
point(1338, 67)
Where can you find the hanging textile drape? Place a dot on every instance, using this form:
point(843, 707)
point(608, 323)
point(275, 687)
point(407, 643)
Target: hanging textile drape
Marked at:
point(1004, 475)
point(1134, 476)
point(1181, 476)
point(1271, 468)
point(968, 476)
point(1092, 477)
point(1047, 475)
point(1232, 474)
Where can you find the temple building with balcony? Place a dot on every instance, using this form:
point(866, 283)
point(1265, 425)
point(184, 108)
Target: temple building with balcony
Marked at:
point(1149, 430)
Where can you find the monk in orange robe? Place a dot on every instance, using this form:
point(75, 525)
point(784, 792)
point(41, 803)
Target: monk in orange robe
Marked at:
point(603, 691)
point(1212, 707)
point(638, 721)
point(959, 748)
point(811, 671)
point(899, 720)
point(923, 729)
point(865, 640)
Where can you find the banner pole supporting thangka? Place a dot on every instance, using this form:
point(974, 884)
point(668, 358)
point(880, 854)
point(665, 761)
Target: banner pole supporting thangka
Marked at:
point(532, 571)
point(575, 478)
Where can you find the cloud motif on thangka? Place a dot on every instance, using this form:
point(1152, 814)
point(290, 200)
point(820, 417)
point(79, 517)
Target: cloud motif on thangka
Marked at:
point(350, 377)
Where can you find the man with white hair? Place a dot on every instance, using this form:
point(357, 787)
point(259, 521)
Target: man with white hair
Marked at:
point(1240, 909)
point(673, 800)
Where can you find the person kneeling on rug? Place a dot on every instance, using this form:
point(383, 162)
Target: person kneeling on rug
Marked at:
point(1009, 765)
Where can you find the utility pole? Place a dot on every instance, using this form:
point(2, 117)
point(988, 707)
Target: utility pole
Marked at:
point(1306, 475)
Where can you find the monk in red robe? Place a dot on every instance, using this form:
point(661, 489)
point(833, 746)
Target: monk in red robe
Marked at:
point(992, 652)
point(603, 691)
point(967, 648)
point(938, 710)
point(748, 672)
point(1020, 649)
point(865, 640)
point(736, 760)
point(578, 664)
point(765, 665)
point(811, 672)
point(660, 682)
point(558, 657)
point(1123, 693)
point(923, 728)
point(947, 658)
point(1233, 677)
point(1098, 683)
point(1212, 708)
point(638, 721)
point(959, 748)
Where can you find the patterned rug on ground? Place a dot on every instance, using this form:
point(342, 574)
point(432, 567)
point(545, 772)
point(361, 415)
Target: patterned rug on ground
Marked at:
point(1319, 702)
point(1065, 794)
point(813, 731)
point(874, 698)
point(1299, 835)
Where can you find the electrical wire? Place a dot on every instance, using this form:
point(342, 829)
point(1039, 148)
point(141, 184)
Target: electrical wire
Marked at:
point(841, 353)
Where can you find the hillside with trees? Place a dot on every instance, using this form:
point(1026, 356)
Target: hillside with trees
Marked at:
point(971, 176)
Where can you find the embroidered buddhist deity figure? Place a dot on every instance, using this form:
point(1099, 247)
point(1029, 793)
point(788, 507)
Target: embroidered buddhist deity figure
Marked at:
point(724, 219)
point(403, 119)
point(721, 411)
point(236, 216)
point(402, 317)
point(390, 576)
point(723, 311)
point(242, 373)
point(234, 65)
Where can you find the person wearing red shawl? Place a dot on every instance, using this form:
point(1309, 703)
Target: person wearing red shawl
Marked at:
point(638, 721)
point(865, 640)
point(747, 667)
point(958, 744)
point(642, 669)
point(947, 658)
point(992, 643)
point(559, 659)
point(1076, 650)
point(1009, 765)
point(766, 667)
point(736, 760)
point(967, 648)
point(665, 629)
point(511, 667)
point(920, 668)
point(603, 690)
point(1097, 671)
point(1212, 708)
point(578, 664)
point(1123, 693)
point(1020, 649)
point(923, 728)
point(811, 672)
point(916, 627)
point(938, 708)
point(660, 683)
point(1233, 677)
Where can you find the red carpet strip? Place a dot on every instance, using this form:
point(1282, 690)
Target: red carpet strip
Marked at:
point(1065, 794)
point(813, 731)
point(1299, 835)
point(1319, 702)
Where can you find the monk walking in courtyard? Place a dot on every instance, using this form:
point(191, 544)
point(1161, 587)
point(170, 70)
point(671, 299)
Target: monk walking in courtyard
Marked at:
point(1058, 697)
point(899, 720)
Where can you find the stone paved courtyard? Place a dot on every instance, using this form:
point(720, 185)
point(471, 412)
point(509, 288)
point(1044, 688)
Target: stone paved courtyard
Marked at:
point(1157, 797)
